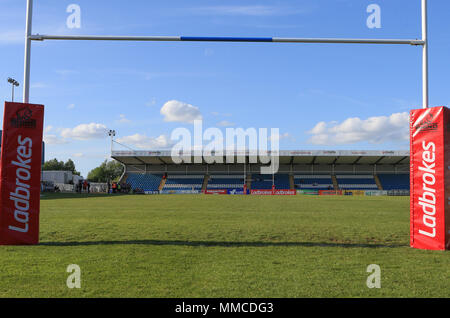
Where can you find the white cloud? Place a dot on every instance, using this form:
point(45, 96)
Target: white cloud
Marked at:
point(225, 123)
point(123, 119)
point(71, 106)
point(144, 142)
point(280, 137)
point(151, 102)
point(85, 132)
point(54, 140)
point(374, 130)
point(12, 37)
point(221, 114)
point(39, 85)
point(78, 155)
point(48, 128)
point(176, 111)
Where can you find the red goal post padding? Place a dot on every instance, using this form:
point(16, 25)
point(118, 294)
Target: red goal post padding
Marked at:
point(430, 178)
point(20, 173)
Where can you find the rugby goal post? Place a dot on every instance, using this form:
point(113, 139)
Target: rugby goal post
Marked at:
point(430, 209)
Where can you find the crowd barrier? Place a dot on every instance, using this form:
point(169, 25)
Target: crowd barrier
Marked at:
point(177, 192)
point(152, 192)
point(308, 192)
point(399, 193)
point(95, 187)
point(103, 187)
point(273, 192)
point(215, 191)
point(237, 192)
point(330, 192)
point(99, 187)
point(65, 187)
point(355, 192)
point(376, 193)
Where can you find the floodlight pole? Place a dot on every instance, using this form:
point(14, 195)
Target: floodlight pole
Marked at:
point(37, 37)
point(112, 134)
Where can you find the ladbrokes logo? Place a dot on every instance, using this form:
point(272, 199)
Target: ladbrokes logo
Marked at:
point(426, 124)
point(23, 119)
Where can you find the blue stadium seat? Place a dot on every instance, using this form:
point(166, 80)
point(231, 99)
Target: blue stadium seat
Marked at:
point(394, 181)
point(145, 182)
point(184, 182)
point(313, 182)
point(226, 182)
point(356, 182)
point(264, 181)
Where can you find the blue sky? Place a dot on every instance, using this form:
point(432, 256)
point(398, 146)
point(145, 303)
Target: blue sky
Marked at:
point(320, 96)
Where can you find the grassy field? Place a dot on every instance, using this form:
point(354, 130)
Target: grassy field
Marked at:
point(223, 246)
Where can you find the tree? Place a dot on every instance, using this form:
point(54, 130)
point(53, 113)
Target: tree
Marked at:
point(108, 170)
point(70, 166)
point(55, 165)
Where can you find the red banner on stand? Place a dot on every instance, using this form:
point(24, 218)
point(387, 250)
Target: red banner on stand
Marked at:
point(20, 173)
point(430, 178)
point(214, 191)
point(273, 192)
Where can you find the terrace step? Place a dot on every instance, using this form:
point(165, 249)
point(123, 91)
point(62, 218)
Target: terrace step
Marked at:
point(205, 182)
point(162, 184)
point(335, 182)
point(249, 181)
point(378, 182)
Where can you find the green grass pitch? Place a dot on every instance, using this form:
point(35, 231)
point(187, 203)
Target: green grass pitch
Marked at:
point(223, 246)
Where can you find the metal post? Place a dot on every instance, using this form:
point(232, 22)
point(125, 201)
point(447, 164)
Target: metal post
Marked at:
point(12, 93)
point(425, 53)
point(43, 37)
point(273, 175)
point(245, 169)
point(26, 80)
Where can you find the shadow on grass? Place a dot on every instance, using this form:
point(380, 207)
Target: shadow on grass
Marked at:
point(56, 196)
point(224, 244)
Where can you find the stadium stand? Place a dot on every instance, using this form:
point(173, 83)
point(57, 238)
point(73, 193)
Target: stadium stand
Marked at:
point(264, 181)
point(313, 182)
point(184, 182)
point(394, 181)
point(356, 182)
point(226, 182)
point(144, 181)
point(298, 169)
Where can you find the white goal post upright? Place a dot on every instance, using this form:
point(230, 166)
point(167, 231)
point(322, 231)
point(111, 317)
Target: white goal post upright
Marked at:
point(27, 66)
point(425, 97)
point(29, 37)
